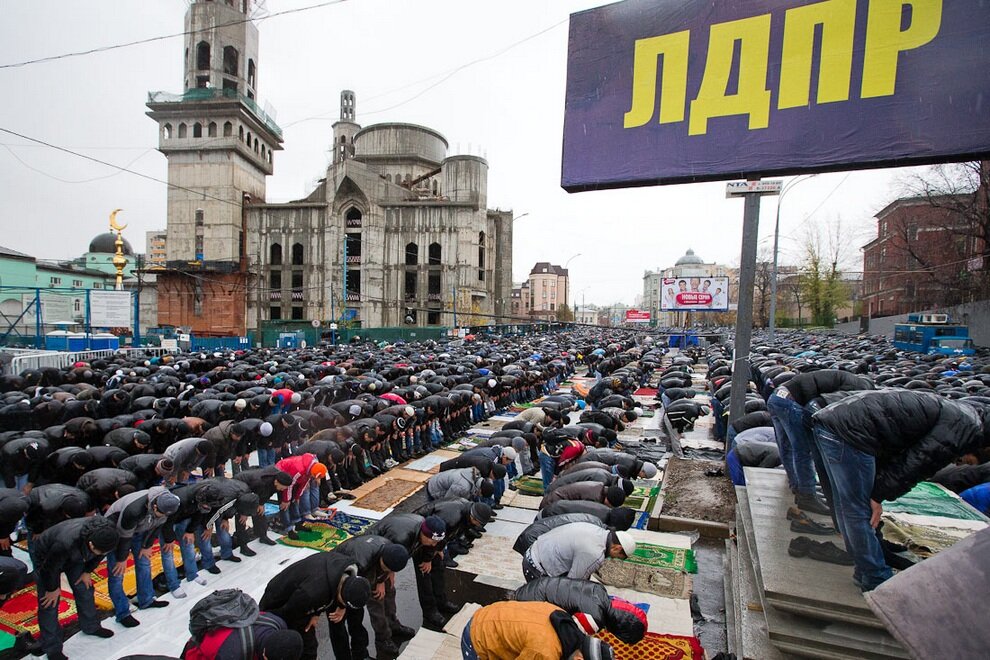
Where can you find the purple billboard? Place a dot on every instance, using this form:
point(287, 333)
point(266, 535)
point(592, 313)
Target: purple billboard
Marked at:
point(674, 91)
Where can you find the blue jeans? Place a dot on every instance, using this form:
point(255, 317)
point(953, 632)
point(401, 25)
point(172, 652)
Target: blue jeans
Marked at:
point(89, 620)
point(499, 489)
point(290, 516)
point(851, 473)
point(225, 539)
point(794, 440)
point(142, 570)
point(266, 457)
point(467, 648)
point(548, 465)
point(310, 500)
point(189, 550)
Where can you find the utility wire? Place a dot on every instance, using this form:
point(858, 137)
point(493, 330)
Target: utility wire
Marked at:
point(57, 178)
point(102, 49)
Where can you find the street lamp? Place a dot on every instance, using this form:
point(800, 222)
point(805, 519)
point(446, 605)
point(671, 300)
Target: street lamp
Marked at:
point(776, 239)
point(520, 216)
point(567, 282)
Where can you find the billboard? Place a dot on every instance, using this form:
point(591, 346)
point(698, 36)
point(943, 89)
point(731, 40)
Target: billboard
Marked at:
point(674, 91)
point(636, 316)
point(694, 294)
point(110, 309)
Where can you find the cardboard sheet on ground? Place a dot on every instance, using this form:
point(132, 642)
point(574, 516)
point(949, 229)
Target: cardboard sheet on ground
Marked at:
point(493, 556)
point(387, 494)
point(514, 514)
point(671, 616)
point(922, 540)
point(520, 501)
point(950, 621)
point(505, 528)
point(425, 646)
point(426, 464)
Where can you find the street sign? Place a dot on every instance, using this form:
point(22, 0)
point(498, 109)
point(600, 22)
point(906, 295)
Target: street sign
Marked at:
point(333, 326)
point(739, 188)
point(315, 323)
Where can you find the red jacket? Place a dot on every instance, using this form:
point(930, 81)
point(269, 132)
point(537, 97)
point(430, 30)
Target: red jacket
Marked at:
point(283, 396)
point(298, 468)
point(573, 450)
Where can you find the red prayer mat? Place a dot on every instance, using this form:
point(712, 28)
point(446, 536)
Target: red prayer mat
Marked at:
point(20, 613)
point(645, 391)
point(655, 647)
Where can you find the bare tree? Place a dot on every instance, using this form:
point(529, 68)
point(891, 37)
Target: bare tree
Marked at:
point(824, 254)
point(763, 288)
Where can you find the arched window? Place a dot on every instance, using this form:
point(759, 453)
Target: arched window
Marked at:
point(434, 254)
point(408, 179)
point(353, 217)
point(228, 129)
point(212, 129)
point(167, 131)
point(388, 177)
point(255, 145)
point(182, 130)
point(436, 187)
point(297, 254)
point(203, 56)
point(275, 255)
point(230, 56)
point(197, 130)
point(412, 254)
point(248, 140)
point(269, 157)
point(240, 133)
point(251, 73)
point(481, 250)
point(343, 139)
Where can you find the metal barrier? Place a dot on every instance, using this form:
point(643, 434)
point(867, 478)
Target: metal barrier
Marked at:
point(88, 356)
point(148, 351)
point(38, 360)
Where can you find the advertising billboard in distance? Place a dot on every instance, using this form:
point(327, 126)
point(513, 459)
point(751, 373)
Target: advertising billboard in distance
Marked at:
point(694, 294)
point(637, 316)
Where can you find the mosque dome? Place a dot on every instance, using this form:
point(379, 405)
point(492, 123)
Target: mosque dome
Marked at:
point(106, 244)
point(690, 259)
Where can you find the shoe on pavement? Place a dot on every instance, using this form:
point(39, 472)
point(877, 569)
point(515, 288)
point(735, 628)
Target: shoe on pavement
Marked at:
point(434, 622)
point(233, 558)
point(809, 526)
point(498, 506)
point(102, 632)
point(292, 534)
point(178, 593)
point(799, 546)
point(266, 540)
point(812, 504)
point(386, 648)
point(57, 655)
point(403, 632)
point(449, 607)
point(129, 622)
point(248, 552)
point(200, 580)
point(26, 643)
point(215, 570)
point(450, 563)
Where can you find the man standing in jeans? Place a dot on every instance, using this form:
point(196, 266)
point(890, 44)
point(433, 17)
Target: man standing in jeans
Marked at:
point(791, 423)
point(877, 446)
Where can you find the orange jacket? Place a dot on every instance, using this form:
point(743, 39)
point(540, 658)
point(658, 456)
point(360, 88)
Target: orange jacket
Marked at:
point(510, 629)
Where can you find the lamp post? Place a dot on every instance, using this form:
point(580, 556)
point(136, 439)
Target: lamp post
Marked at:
point(776, 239)
point(567, 282)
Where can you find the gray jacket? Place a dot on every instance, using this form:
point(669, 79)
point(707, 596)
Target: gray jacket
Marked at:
point(575, 550)
point(591, 491)
point(463, 482)
point(184, 456)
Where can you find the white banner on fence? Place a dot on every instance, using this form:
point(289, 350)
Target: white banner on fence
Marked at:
point(110, 309)
point(55, 308)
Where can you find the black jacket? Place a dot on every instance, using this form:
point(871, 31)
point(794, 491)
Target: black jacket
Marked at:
point(101, 483)
point(597, 509)
point(482, 464)
point(599, 475)
point(910, 433)
point(307, 587)
point(805, 387)
point(261, 481)
point(365, 552)
point(143, 467)
point(611, 457)
point(64, 548)
point(570, 595)
point(403, 528)
point(545, 524)
point(958, 478)
point(46, 505)
point(13, 505)
point(454, 511)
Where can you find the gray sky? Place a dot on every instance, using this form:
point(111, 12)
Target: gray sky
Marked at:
point(446, 64)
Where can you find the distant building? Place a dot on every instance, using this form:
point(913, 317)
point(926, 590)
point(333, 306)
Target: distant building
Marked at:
point(923, 258)
point(688, 266)
point(586, 314)
point(156, 254)
point(547, 289)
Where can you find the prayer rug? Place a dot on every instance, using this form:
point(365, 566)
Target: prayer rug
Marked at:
point(353, 525)
point(7, 641)
point(490, 556)
point(660, 556)
point(529, 485)
point(317, 536)
point(20, 613)
point(101, 585)
point(645, 391)
point(930, 499)
point(426, 464)
point(642, 520)
point(519, 407)
point(655, 647)
point(642, 499)
point(271, 509)
point(922, 540)
point(648, 579)
point(387, 495)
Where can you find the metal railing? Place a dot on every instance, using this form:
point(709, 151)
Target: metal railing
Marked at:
point(24, 360)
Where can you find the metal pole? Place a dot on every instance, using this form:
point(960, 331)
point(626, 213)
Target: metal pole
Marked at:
point(333, 318)
point(89, 320)
point(744, 315)
point(37, 319)
point(454, 291)
point(776, 239)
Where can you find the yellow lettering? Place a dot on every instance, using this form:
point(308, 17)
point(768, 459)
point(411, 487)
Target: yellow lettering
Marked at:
point(838, 21)
point(673, 91)
point(752, 96)
point(885, 40)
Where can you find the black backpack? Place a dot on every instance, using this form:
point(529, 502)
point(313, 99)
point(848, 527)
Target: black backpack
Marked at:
point(224, 608)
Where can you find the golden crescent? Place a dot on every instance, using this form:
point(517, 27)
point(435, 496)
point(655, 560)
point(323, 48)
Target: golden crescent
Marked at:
point(113, 221)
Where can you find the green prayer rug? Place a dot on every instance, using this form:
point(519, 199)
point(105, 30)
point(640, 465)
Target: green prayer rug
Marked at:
point(317, 536)
point(928, 499)
point(642, 499)
point(529, 485)
point(6, 641)
point(660, 556)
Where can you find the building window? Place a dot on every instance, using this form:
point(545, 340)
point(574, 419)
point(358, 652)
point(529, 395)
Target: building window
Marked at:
point(197, 130)
point(182, 131)
point(297, 254)
point(203, 56)
point(433, 285)
point(228, 129)
point(275, 255)
point(353, 286)
point(410, 286)
point(275, 313)
point(167, 131)
point(212, 129)
point(412, 254)
point(230, 57)
point(56, 280)
point(353, 218)
point(77, 305)
point(251, 73)
point(77, 283)
point(434, 256)
point(297, 279)
point(297, 313)
point(97, 285)
point(433, 318)
point(275, 280)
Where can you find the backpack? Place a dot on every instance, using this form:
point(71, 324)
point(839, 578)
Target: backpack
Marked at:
point(213, 640)
point(224, 608)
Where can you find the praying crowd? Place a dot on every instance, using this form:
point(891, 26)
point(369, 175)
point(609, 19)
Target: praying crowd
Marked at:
point(114, 461)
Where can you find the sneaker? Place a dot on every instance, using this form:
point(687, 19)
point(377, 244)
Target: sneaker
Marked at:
point(498, 506)
point(200, 580)
point(155, 604)
point(812, 504)
point(450, 563)
point(809, 526)
point(178, 593)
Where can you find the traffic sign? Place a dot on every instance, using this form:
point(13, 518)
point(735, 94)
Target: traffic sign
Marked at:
point(761, 187)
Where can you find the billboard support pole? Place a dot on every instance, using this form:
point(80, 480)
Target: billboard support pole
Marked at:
point(744, 315)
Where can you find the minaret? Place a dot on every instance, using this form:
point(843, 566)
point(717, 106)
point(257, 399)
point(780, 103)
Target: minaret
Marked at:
point(345, 129)
point(219, 144)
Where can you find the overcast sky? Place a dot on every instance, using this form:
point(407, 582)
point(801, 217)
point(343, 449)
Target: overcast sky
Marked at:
point(480, 73)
